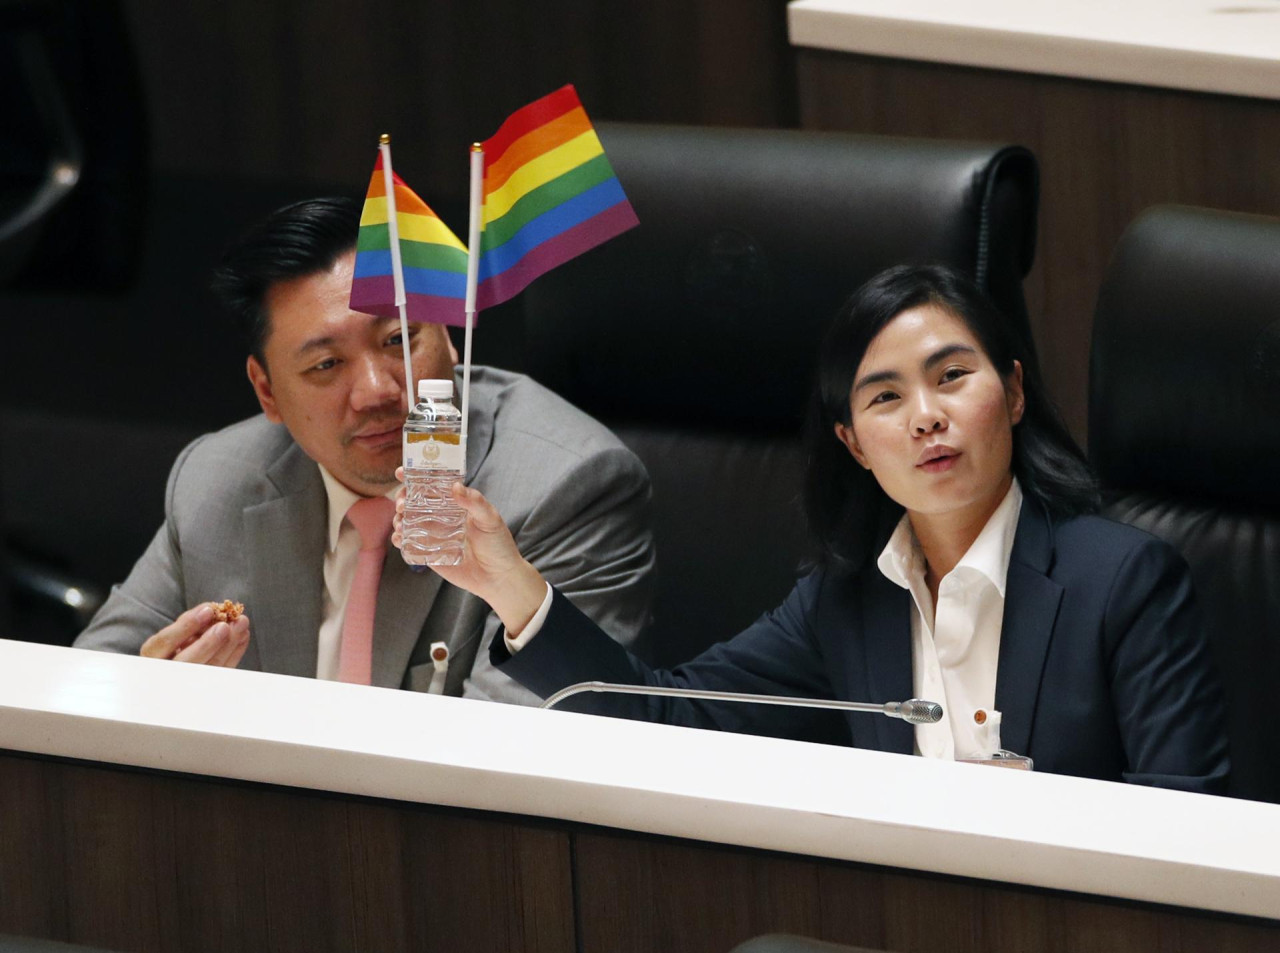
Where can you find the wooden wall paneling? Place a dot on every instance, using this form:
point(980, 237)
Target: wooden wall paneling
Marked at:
point(638, 893)
point(1106, 151)
point(33, 851)
point(488, 885)
point(226, 883)
point(142, 861)
point(120, 873)
point(139, 861)
point(302, 88)
point(174, 864)
point(746, 69)
point(712, 62)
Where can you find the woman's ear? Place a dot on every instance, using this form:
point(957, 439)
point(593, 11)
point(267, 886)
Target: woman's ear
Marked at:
point(847, 437)
point(1014, 397)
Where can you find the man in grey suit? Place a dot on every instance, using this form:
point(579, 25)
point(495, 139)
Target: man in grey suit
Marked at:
point(255, 513)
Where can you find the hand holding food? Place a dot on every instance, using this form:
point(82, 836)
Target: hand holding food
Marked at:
point(210, 634)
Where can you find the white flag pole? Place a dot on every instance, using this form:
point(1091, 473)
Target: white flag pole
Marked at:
point(397, 269)
point(473, 273)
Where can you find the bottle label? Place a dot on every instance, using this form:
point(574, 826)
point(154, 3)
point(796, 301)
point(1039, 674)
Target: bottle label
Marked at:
point(441, 451)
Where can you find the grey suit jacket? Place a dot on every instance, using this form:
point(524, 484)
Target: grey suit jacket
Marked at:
point(246, 520)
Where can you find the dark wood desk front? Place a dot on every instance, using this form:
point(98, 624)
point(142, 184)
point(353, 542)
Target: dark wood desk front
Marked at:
point(135, 860)
point(146, 806)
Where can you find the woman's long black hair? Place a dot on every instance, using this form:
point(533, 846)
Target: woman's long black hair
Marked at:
point(849, 515)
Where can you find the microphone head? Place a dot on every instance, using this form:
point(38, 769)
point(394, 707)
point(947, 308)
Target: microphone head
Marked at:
point(917, 711)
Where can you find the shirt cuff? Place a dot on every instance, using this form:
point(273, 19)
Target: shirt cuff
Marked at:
point(532, 627)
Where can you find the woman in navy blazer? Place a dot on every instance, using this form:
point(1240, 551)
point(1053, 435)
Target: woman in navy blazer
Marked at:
point(1102, 671)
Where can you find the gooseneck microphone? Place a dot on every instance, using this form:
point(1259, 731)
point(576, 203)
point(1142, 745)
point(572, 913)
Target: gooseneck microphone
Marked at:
point(915, 711)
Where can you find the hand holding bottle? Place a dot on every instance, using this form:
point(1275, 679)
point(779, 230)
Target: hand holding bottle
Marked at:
point(491, 566)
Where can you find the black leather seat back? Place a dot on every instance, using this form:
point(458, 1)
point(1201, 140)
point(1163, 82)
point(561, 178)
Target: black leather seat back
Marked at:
point(1184, 430)
point(728, 526)
point(708, 313)
point(694, 335)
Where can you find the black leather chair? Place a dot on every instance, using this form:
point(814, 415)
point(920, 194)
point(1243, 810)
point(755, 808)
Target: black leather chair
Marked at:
point(694, 335)
point(119, 356)
point(73, 162)
point(152, 369)
point(72, 195)
point(1184, 429)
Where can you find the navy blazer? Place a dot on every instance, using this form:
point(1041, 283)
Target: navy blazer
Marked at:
point(1104, 671)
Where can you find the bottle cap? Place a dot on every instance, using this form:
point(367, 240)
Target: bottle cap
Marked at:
point(435, 390)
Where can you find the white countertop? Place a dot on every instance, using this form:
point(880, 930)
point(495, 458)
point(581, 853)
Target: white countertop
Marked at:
point(1228, 46)
point(1047, 831)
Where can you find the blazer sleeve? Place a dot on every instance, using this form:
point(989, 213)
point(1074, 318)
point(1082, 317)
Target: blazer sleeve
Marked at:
point(152, 595)
point(589, 536)
point(777, 655)
point(1168, 700)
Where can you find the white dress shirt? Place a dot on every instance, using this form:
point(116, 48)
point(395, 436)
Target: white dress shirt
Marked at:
point(531, 628)
point(955, 649)
point(339, 570)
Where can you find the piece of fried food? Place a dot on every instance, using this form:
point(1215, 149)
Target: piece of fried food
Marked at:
point(227, 611)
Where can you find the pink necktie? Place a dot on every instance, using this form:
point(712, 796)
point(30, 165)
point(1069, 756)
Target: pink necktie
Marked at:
point(372, 520)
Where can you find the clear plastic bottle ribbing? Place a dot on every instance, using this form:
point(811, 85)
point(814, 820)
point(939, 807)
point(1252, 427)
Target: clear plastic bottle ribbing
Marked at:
point(433, 526)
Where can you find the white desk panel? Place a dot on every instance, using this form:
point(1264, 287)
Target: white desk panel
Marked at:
point(1219, 46)
point(997, 824)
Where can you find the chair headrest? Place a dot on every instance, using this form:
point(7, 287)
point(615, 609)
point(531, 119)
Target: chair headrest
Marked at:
point(1184, 382)
point(748, 242)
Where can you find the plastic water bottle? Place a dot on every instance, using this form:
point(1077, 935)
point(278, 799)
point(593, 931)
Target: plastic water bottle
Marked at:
point(434, 459)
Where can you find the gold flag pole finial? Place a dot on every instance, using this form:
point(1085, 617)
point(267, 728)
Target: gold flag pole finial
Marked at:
point(477, 147)
point(384, 139)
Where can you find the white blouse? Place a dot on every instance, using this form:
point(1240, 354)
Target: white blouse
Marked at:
point(955, 648)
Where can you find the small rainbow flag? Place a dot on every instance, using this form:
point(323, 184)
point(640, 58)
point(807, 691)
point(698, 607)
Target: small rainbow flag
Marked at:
point(549, 195)
point(433, 259)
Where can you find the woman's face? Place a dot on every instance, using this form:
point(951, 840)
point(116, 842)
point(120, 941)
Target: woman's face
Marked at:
point(932, 419)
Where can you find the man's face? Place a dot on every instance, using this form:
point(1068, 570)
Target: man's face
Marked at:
point(335, 377)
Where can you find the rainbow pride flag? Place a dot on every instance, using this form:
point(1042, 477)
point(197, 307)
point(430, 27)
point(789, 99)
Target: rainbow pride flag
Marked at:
point(434, 261)
point(549, 195)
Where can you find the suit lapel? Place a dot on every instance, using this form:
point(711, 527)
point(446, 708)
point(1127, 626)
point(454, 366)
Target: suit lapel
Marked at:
point(484, 402)
point(405, 597)
point(886, 627)
point(285, 542)
point(1030, 611)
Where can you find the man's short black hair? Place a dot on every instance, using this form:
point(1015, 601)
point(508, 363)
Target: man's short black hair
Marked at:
point(297, 240)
